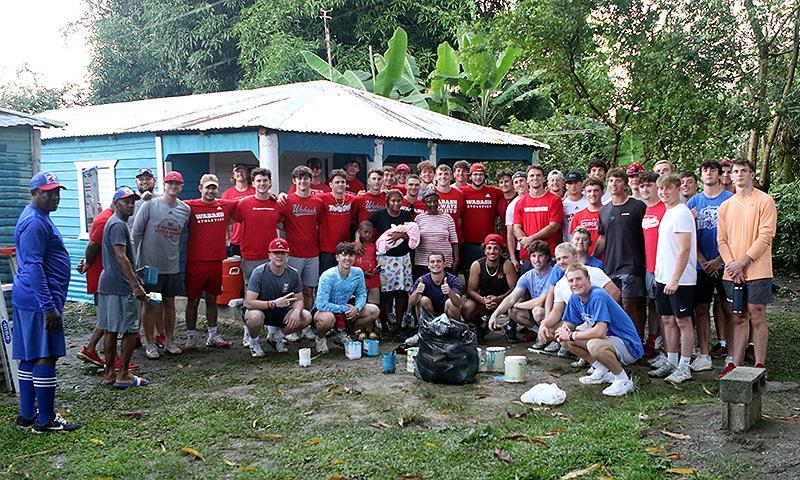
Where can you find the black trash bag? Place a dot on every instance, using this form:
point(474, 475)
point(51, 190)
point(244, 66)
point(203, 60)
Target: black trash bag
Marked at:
point(448, 350)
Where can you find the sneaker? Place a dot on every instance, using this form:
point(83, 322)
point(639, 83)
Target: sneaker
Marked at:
point(277, 343)
point(553, 347)
point(292, 337)
point(728, 369)
point(511, 333)
point(679, 375)
point(173, 348)
point(151, 352)
point(374, 336)
point(191, 343)
point(537, 346)
point(408, 320)
point(341, 337)
point(718, 351)
point(659, 342)
point(25, 423)
point(217, 341)
point(618, 388)
point(58, 424)
point(564, 353)
point(362, 336)
point(728, 359)
point(91, 356)
point(308, 333)
point(597, 377)
point(321, 345)
point(658, 361)
point(246, 337)
point(579, 363)
point(412, 340)
point(701, 364)
point(663, 371)
point(255, 349)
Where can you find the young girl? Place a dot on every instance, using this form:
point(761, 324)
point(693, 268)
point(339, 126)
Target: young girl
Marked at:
point(367, 260)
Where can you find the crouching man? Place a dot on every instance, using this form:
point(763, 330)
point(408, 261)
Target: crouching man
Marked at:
point(274, 296)
point(438, 291)
point(598, 330)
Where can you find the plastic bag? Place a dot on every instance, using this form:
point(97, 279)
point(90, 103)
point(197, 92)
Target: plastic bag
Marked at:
point(544, 394)
point(448, 351)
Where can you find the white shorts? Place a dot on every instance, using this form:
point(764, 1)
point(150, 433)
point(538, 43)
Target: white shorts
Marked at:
point(624, 355)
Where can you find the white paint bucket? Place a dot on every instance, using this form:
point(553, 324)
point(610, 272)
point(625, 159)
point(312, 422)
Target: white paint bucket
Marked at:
point(352, 350)
point(305, 357)
point(411, 359)
point(481, 360)
point(515, 368)
point(495, 358)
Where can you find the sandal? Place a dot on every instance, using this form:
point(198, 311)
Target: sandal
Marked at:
point(137, 382)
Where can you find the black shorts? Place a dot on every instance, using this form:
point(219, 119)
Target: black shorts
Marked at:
point(679, 304)
point(276, 317)
point(168, 285)
point(759, 292)
point(706, 286)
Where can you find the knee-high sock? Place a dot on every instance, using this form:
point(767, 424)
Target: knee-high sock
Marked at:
point(27, 394)
point(44, 381)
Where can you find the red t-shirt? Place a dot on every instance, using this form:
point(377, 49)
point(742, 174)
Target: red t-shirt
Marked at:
point(300, 219)
point(416, 209)
point(452, 203)
point(650, 222)
point(315, 188)
point(367, 204)
point(590, 221)
point(536, 213)
point(482, 208)
point(96, 236)
point(260, 219)
point(233, 194)
point(334, 223)
point(208, 224)
point(368, 261)
point(354, 186)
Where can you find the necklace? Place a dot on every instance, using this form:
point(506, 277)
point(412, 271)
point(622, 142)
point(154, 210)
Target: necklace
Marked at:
point(497, 269)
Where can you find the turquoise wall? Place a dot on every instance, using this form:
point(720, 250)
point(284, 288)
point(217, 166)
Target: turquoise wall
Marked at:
point(15, 163)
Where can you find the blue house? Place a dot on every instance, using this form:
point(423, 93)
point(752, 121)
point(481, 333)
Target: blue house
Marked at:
point(278, 127)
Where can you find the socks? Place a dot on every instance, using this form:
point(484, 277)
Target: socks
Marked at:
point(599, 367)
point(212, 332)
point(44, 382)
point(672, 358)
point(684, 362)
point(27, 394)
point(621, 375)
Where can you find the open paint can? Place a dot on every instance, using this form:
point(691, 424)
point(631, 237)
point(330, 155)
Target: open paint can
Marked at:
point(352, 350)
point(411, 359)
point(495, 358)
point(515, 368)
point(371, 347)
point(305, 357)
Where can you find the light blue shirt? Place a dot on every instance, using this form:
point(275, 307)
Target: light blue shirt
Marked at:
point(335, 291)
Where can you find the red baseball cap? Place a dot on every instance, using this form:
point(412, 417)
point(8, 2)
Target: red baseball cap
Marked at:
point(477, 167)
point(494, 239)
point(173, 176)
point(402, 168)
point(279, 244)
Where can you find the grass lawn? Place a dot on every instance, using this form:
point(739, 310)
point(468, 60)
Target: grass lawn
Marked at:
point(268, 418)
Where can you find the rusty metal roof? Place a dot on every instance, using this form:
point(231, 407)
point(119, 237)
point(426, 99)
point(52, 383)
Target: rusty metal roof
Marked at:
point(13, 118)
point(310, 107)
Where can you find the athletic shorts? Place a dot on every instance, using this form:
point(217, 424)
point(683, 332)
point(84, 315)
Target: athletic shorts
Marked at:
point(247, 269)
point(276, 317)
point(168, 285)
point(759, 292)
point(308, 268)
point(203, 277)
point(631, 286)
point(625, 356)
point(118, 313)
point(679, 304)
point(469, 253)
point(396, 273)
point(32, 340)
point(706, 286)
point(327, 260)
point(650, 285)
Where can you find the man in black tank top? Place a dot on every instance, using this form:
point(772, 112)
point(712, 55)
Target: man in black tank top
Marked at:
point(491, 279)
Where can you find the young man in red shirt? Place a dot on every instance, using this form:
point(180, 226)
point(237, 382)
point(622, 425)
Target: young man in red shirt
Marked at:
point(403, 171)
point(461, 173)
point(318, 184)
point(504, 184)
point(373, 200)
point(337, 216)
point(351, 167)
point(389, 178)
point(205, 251)
point(650, 223)
point(411, 201)
point(537, 216)
point(451, 200)
point(241, 188)
point(426, 170)
point(589, 217)
point(481, 207)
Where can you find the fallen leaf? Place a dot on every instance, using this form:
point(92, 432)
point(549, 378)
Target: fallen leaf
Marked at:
point(255, 422)
point(502, 455)
point(193, 452)
point(482, 395)
point(248, 468)
point(409, 477)
point(677, 388)
point(179, 365)
point(516, 416)
point(538, 409)
point(682, 402)
point(431, 445)
point(676, 436)
point(337, 477)
point(445, 411)
point(675, 456)
point(228, 462)
point(252, 381)
point(654, 450)
point(780, 417)
point(708, 392)
point(682, 471)
point(337, 461)
point(97, 442)
point(132, 413)
point(582, 472)
point(309, 413)
point(401, 422)
point(379, 425)
point(269, 437)
point(555, 430)
point(162, 445)
point(313, 441)
point(515, 438)
point(537, 442)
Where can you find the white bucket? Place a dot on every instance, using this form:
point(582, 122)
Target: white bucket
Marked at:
point(515, 368)
point(352, 350)
point(411, 359)
point(495, 359)
point(305, 357)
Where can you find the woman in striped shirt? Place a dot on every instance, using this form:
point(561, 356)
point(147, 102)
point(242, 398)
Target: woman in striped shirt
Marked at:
point(437, 235)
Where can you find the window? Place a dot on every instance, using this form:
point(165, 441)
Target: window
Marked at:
point(96, 186)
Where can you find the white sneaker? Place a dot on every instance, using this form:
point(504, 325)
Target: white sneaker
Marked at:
point(246, 337)
point(659, 342)
point(321, 345)
point(341, 337)
point(172, 347)
point(657, 361)
point(412, 340)
point(728, 359)
point(618, 388)
point(408, 320)
point(292, 337)
point(217, 341)
point(278, 343)
point(701, 364)
point(308, 333)
point(553, 347)
point(255, 349)
point(597, 377)
point(191, 343)
point(151, 352)
point(680, 375)
point(664, 370)
point(564, 353)
point(579, 363)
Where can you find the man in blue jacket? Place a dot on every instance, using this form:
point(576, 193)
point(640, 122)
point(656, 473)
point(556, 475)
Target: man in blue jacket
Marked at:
point(40, 289)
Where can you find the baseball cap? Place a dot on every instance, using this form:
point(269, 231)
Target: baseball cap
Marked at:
point(237, 166)
point(555, 173)
point(573, 176)
point(430, 193)
point(144, 172)
point(209, 179)
point(517, 175)
point(634, 168)
point(477, 167)
point(494, 239)
point(279, 244)
point(313, 161)
point(124, 192)
point(173, 176)
point(45, 181)
point(402, 168)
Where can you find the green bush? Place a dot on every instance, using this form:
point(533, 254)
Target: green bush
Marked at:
point(786, 255)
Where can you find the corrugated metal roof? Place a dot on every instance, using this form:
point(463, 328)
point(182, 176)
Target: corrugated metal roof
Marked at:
point(13, 118)
point(310, 107)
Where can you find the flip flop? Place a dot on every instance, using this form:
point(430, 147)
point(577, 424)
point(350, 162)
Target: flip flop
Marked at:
point(137, 382)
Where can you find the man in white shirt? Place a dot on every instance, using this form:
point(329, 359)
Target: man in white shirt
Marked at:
point(573, 201)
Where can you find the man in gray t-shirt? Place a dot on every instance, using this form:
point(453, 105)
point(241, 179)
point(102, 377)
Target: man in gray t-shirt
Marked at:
point(157, 231)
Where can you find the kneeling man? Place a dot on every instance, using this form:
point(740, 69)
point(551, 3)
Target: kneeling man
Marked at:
point(491, 279)
point(598, 330)
point(274, 296)
point(437, 291)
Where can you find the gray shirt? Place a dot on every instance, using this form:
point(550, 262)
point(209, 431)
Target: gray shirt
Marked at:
point(270, 286)
point(112, 282)
point(156, 234)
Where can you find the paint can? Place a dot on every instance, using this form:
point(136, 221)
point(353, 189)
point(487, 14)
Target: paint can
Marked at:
point(389, 362)
point(304, 355)
point(495, 358)
point(411, 359)
point(371, 347)
point(352, 350)
point(515, 368)
point(150, 275)
point(481, 360)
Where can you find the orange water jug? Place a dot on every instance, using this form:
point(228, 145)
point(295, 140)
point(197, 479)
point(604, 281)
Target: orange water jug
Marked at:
point(231, 280)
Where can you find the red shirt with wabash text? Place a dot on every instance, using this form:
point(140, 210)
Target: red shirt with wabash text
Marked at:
point(367, 204)
point(300, 219)
point(452, 203)
point(96, 236)
point(481, 207)
point(536, 213)
point(334, 223)
point(233, 194)
point(650, 223)
point(414, 210)
point(259, 219)
point(315, 188)
point(590, 221)
point(208, 225)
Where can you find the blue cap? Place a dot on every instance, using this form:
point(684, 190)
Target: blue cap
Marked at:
point(124, 192)
point(45, 181)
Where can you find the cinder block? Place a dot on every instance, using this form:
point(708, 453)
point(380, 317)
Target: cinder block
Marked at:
point(743, 385)
point(740, 417)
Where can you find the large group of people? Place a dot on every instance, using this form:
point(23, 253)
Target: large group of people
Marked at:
point(611, 268)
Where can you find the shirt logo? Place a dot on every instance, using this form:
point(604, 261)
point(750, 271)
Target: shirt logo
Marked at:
point(301, 211)
point(649, 222)
point(542, 208)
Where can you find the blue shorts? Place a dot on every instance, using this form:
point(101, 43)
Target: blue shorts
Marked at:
point(32, 340)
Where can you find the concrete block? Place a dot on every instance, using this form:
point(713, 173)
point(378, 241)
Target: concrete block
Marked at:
point(743, 385)
point(740, 417)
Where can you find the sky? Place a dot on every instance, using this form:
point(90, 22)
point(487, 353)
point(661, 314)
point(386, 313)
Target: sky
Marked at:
point(35, 33)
